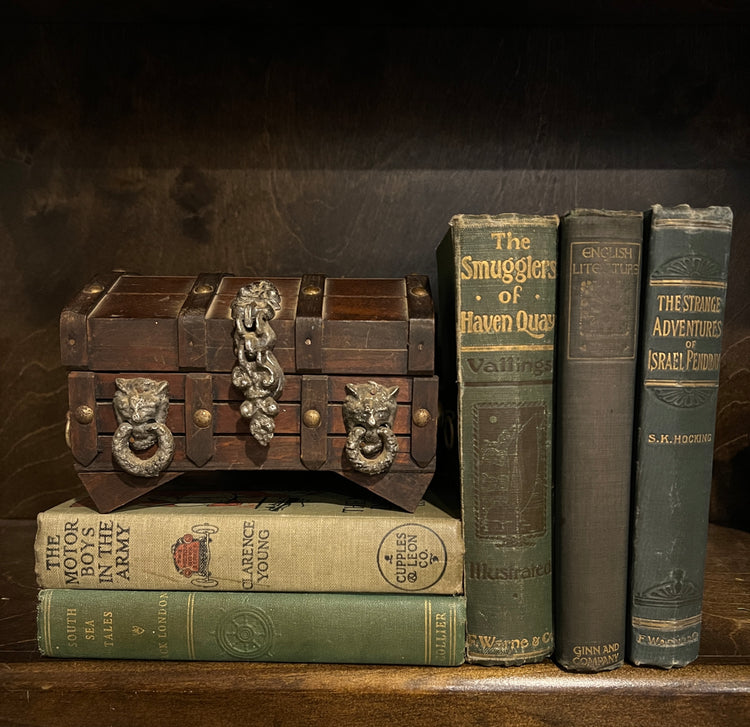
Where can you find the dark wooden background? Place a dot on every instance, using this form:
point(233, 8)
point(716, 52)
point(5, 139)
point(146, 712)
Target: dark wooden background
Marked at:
point(262, 144)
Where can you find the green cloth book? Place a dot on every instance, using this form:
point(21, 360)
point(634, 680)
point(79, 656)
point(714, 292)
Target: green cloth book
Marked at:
point(683, 313)
point(600, 276)
point(252, 541)
point(230, 626)
point(498, 279)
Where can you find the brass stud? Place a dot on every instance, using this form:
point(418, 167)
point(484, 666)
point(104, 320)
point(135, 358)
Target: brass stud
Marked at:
point(202, 418)
point(311, 290)
point(203, 288)
point(419, 291)
point(421, 417)
point(311, 418)
point(84, 414)
point(93, 289)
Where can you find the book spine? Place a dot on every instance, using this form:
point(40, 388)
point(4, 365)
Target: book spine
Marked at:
point(505, 277)
point(288, 627)
point(684, 297)
point(597, 353)
point(241, 549)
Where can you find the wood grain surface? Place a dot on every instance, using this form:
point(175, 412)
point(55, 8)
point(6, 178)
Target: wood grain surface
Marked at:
point(282, 149)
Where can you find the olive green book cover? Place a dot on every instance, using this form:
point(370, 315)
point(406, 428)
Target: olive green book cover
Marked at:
point(229, 626)
point(600, 276)
point(264, 540)
point(501, 273)
point(683, 320)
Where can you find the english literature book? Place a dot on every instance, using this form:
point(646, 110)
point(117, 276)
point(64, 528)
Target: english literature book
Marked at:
point(251, 541)
point(229, 626)
point(500, 274)
point(684, 297)
point(596, 366)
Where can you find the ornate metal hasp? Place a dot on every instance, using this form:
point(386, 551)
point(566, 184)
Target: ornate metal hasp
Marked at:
point(141, 410)
point(257, 372)
point(369, 412)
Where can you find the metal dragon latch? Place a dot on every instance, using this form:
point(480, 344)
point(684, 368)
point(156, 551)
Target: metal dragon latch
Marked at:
point(141, 409)
point(369, 411)
point(257, 372)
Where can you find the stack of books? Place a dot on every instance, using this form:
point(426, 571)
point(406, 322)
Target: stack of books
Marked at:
point(293, 576)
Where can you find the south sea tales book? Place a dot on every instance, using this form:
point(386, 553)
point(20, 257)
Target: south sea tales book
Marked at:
point(349, 628)
point(500, 274)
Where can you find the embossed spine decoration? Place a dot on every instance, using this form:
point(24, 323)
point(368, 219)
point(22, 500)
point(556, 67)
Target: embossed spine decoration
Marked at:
point(502, 273)
point(369, 411)
point(684, 297)
point(141, 406)
point(597, 353)
point(257, 372)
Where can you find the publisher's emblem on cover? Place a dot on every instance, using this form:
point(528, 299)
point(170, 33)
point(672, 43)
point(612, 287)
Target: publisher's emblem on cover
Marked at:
point(412, 557)
point(191, 555)
point(246, 633)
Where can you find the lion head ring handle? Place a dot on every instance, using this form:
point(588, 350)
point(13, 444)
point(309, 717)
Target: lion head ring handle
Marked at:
point(141, 409)
point(369, 412)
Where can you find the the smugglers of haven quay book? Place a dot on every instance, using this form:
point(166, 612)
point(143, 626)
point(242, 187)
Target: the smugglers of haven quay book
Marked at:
point(503, 273)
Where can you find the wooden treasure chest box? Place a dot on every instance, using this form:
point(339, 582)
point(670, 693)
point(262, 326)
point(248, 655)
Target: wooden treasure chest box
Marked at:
point(169, 375)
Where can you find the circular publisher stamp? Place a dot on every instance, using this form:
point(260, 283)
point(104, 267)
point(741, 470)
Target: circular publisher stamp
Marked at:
point(246, 634)
point(412, 557)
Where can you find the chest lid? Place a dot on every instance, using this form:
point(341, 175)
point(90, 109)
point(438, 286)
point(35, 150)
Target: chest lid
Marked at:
point(367, 326)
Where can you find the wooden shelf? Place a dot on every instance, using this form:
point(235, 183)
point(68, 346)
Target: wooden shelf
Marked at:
point(42, 691)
